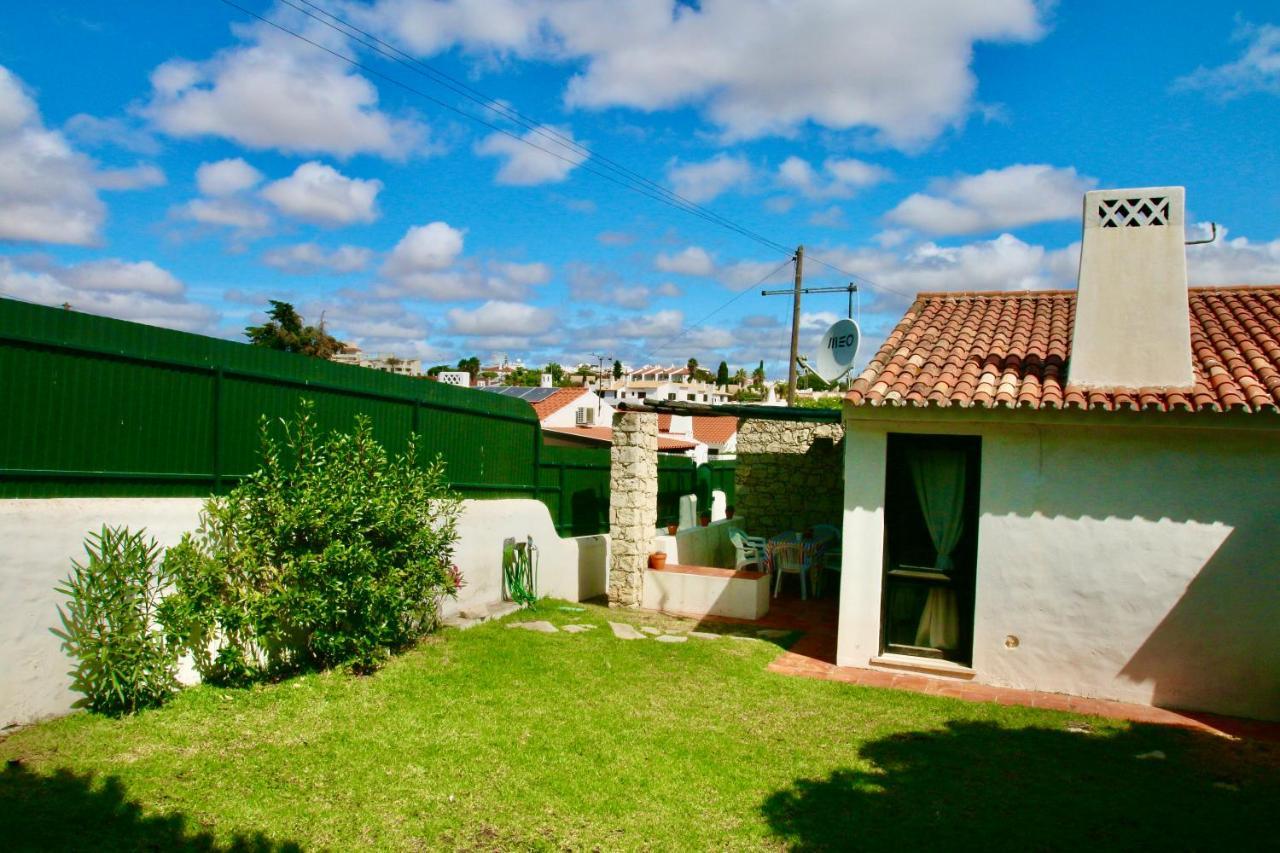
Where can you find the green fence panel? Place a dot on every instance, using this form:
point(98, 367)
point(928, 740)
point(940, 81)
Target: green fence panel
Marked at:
point(101, 407)
point(676, 476)
point(722, 474)
point(574, 484)
point(96, 407)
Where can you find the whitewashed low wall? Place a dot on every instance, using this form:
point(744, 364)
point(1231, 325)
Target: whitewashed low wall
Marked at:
point(40, 538)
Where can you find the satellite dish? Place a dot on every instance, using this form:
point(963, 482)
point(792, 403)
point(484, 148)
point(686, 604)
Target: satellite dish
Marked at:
point(838, 350)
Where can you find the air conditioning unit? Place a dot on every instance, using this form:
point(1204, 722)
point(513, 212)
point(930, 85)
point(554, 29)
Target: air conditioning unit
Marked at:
point(586, 417)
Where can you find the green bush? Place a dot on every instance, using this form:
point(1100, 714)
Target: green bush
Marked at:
point(123, 662)
point(332, 553)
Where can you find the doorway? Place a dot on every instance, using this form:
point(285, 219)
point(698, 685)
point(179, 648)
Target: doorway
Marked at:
point(931, 546)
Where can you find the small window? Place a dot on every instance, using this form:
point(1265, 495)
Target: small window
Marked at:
point(671, 396)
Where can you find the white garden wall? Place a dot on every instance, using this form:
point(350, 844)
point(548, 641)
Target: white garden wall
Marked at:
point(39, 538)
point(1131, 563)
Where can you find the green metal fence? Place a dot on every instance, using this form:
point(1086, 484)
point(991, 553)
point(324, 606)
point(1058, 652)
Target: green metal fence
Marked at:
point(95, 407)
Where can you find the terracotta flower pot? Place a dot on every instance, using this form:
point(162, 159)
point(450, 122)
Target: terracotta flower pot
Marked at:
point(704, 520)
point(728, 512)
point(672, 528)
point(658, 560)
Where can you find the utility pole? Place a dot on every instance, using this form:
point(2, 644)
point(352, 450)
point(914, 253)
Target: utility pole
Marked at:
point(795, 292)
point(795, 328)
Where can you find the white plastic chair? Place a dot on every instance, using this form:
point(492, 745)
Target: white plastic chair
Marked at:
point(748, 550)
point(794, 558)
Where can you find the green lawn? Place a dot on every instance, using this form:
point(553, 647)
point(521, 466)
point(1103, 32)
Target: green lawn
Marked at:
point(495, 739)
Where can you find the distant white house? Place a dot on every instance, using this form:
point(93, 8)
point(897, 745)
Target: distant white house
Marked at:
point(387, 363)
point(671, 384)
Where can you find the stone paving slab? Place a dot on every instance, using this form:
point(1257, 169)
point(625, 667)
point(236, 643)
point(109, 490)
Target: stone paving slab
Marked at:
point(577, 629)
point(671, 638)
point(623, 631)
point(542, 626)
point(649, 629)
point(704, 635)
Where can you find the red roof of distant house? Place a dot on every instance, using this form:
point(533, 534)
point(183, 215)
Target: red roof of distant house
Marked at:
point(1010, 349)
point(548, 406)
point(714, 431)
point(604, 435)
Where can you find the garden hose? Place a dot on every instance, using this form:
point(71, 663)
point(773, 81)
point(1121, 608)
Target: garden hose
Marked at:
point(520, 571)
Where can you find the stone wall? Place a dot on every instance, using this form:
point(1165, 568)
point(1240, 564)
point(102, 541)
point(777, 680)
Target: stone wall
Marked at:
point(633, 504)
point(790, 475)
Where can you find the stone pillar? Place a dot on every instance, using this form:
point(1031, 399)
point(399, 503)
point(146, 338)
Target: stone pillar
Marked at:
point(633, 504)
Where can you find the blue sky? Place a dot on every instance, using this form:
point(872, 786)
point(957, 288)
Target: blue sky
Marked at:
point(180, 164)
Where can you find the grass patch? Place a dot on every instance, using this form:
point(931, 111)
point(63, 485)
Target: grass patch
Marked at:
point(495, 738)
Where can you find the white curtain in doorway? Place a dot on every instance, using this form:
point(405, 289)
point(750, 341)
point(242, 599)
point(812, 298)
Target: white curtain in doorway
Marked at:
point(938, 474)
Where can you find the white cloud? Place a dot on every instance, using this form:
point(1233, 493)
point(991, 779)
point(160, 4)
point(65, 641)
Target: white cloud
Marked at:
point(840, 178)
point(226, 203)
point(524, 165)
point(139, 291)
point(693, 260)
point(526, 275)
point(272, 91)
point(226, 177)
point(142, 176)
point(1022, 194)
point(601, 285)
point(114, 131)
point(1232, 261)
point(1257, 69)
point(659, 324)
point(48, 190)
point(427, 263)
point(753, 67)
point(234, 213)
point(115, 275)
point(701, 182)
point(320, 194)
point(497, 317)
point(304, 258)
point(831, 217)
point(425, 249)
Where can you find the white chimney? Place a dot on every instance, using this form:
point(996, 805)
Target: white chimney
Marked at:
point(546, 380)
point(1132, 328)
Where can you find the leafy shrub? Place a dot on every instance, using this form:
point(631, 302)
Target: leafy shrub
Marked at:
point(332, 553)
point(123, 660)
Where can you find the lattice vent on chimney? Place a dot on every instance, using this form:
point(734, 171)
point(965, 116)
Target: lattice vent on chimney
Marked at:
point(1133, 212)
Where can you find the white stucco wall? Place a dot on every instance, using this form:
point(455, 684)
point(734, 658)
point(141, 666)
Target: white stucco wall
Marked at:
point(39, 538)
point(1131, 563)
point(567, 415)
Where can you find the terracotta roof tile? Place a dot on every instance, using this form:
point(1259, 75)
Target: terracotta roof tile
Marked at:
point(549, 405)
point(1011, 348)
point(714, 431)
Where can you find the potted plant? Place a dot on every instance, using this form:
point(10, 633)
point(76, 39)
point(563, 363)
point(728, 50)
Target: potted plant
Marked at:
point(658, 560)
point(728, 511)
point(672, 528)
point(704, 518)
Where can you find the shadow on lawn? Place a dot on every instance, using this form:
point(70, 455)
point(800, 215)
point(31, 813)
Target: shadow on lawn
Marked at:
point(68, 811)
point(975, 784)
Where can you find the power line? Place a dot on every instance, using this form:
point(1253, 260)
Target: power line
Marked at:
point(511, 113)
point(678, 335)
point(624, 182)
point(608, 169)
